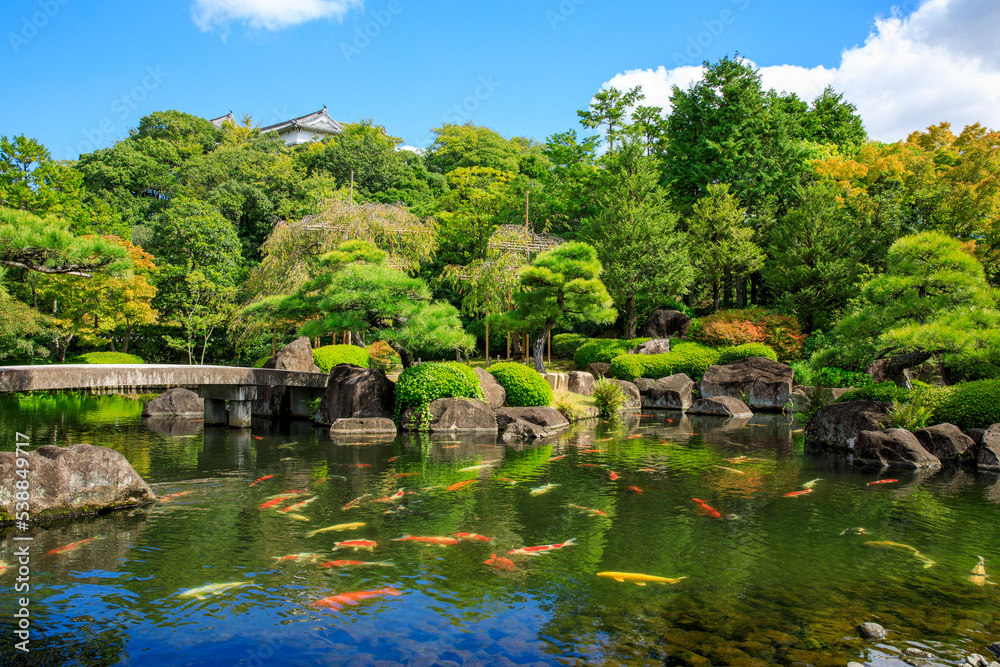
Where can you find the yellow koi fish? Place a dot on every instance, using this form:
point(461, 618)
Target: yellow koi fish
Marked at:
point(733, 470)
point(811, 484)
point(885, 544)
point(545, 488)
point(339, 526)
point(203, 592)
point(639, 579)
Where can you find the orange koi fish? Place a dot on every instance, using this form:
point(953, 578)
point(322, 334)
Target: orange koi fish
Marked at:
point(604, 440)
point(346, 563)
point(257, 437)
point(545, 548)
point(613, 475)
point(647, 470)
point(882, 481)
point(341, 599)
point(388, 499)
point(634, 489)
point(798, 493)
point(299, 505)
point(591, 451)
point(359, 465)
point(354, 503)
point(392, 459)
point(557, 458)
point(168, 498)
point(356, 544)
point(73, 546)
point(472, 537)
point(450, 447)
point(708, 509)
point(440, 541)
point(589, 510)
point(633, 437)
point(261, 479)
point(272, 503)
point(3, 567)
point(501, 563)
point(458, 485)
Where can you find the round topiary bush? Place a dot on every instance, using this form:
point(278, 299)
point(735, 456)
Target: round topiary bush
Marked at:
point(106, 358)
point(603, 350)
point(328, 356)
point(565, 345)
point(970, 405)
point(684, 357)
point(747, 350)
point(525, 386)
point(419, 385)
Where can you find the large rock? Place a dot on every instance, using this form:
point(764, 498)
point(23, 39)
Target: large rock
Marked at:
point(519, 429)
point(896, 447)
point(547, 417)
point(296, 356)
point(457, 415)
point(580, 382)
point(68, 481)
point(765, 384)
point(674, 392)
point(558, 381)
point(363, 426)
point(837, 426)
point(599, 369)
point(175, 402)
point(633, 397)
point(722, 406)
point(353, 391)
point(665, 324)
point(946, 442)
point(988, 459)
point(494, 392)
point(654, 346)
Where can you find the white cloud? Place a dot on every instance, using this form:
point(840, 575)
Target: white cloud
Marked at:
point(268, 14)
point(941, 63)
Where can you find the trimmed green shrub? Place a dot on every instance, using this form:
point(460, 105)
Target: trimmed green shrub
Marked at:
point(603, 350)
point(525, 386)
point(831, 376)
point(419, 385)
point(105, 358)
point(565, 345)
point(970, 405)
point(746, 351)
point(609, 397)
point(884, 391)
point(684, 357)
point(328, 356)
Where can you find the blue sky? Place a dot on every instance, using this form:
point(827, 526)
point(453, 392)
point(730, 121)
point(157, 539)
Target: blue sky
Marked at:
point(77, 76)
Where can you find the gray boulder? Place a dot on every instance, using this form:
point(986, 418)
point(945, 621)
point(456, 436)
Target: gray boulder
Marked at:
point(896, 448)
point(946, 442)
point(645, 385)
point(988, 459)
point(837, 426)
point(493, 391)
point(296, 356)
point(722, 406)
point(547, 417)
point(871, 631)
point(519, 429)
point(665, 324)
point(599, 369)
point(633, 398)
point(674, 392)
point(654, 346)
point(363, 426)
point(580, 382)
point(977, 435)
point(353, 391)
point(558, 381)
point(177, 402)
point(766, 384)
point(454, 415)
point(71, 481)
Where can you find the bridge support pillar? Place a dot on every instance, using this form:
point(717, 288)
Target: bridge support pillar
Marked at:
point(215, 411)
point(299, 400)
point(239, 414)
point(239, 398)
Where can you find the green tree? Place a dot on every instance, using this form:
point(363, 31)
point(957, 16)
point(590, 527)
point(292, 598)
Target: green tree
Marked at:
point(644, 257)
point(561, 287)
point(479, 200)
point(468, 145)
point(46, 245)
point(610, 108)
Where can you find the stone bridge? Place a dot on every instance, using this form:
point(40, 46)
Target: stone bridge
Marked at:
point(215, 384)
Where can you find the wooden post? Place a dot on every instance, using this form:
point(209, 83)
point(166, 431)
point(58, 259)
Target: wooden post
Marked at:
point(487, 340)
point(508, 346)
point(550, 347)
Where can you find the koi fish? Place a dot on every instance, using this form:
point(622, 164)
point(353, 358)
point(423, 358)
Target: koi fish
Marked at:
point(557, 458)
point(633, 437)
point(297, 557)
point(430, 539)
point(798, 493)
point(388, 499)
point(341, 599)
point(472, 537)
point(634, 489)
point(296, 516)
point(544, 488)
point(287, 445)
point(810, 484)
point(612, 475)
point(604, 440)
point(168, 498)
point(590, 451)
point(339, 526)
point(639, 579)
point(354, 503)
point(3, 567)
point(294, 493)
point(261, 479)
point(886, 544)
point(73, 546)
point(458, 485)
point(272, 503)
point(732, 470)
point(359, 465)
point(299, 505)
point(346, 563)
point(590, 465)
point(450, 447)
point(545, 548)
point(488, 464)
point(391, 459)
point(589, 510)
point(257, 437)
point(708, 509)
point(647, 470)
point(500, 563)
point(356, 544)
point(406, 474)
point(203, 592)
point(882, 481)
point(855, 531)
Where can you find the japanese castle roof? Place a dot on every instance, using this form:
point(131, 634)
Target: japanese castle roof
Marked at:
point(222, 119)
point(319, 121)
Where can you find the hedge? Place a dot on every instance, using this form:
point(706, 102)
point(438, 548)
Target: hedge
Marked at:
point(884, 391)
point(525, 386)
point(970, 405)
point(603, 350)
point(745, 351)
point(328, 356)
point(419, 385)
point(684, 357)
point(565, 345)
point(105, 358)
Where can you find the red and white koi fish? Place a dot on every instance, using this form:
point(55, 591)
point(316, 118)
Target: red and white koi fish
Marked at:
point(168, 498)
point(356, 544)
point(348, 563)
point(707, 509)
point(341, 599)
point(388, 499)
point(458, 485)
point(589, 510)
point(882, 481)
point(299, 505)
point(73, 546)
point(354, 503)
point(612, 475)
point(545, 548)
point(634, 489)
point(798, 493)
point(472, 537)
point(501, 563)
point(261, 479)
point(429, 539)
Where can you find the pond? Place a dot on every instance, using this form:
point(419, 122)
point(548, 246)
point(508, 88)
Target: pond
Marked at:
point(756, 576)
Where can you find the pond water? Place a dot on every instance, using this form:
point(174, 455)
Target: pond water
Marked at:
point(773, 579)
